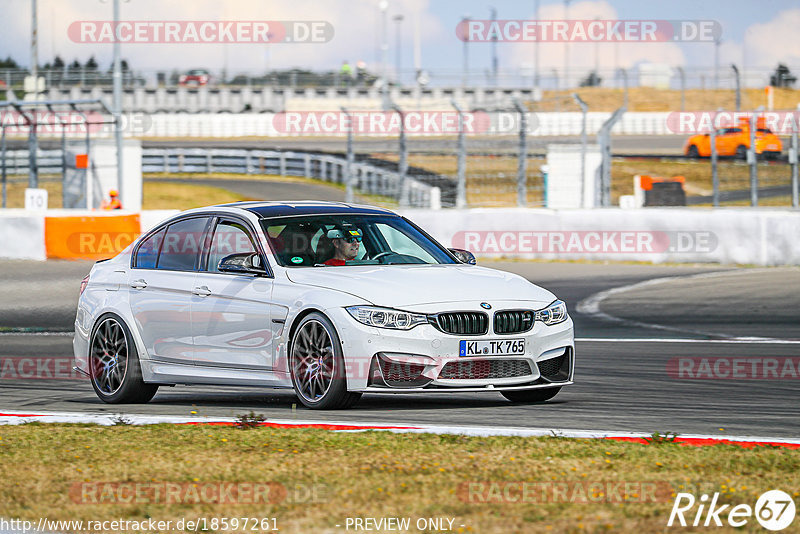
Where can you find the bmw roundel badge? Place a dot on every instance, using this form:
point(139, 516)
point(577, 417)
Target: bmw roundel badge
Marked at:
point(486, 306)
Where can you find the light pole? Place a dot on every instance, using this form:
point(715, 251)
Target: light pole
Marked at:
point(33, 145)
point(493, 12)
point(465, 52)
point(384, 7)
point(348, 178)
point(682, 75)
point(566, 49)
point(717, 42)
point(624, 74)
point(558, 101)
point(34, 49)
point(597, 58)
point(584, 109)
point(738, 87)
point(536, 48)
point(117, 103)
point(398, 19)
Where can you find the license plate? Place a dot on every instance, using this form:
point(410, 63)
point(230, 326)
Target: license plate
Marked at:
point(773, 147)
point(499, 347)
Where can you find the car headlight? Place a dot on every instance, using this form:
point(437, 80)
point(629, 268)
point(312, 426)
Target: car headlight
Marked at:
point(555, 313)
point(386, 317)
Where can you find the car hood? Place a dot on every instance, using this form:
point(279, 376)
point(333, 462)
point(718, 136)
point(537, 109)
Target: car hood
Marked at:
point(399, 286)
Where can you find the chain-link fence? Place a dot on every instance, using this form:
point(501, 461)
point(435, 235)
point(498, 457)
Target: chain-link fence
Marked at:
point(490, 157)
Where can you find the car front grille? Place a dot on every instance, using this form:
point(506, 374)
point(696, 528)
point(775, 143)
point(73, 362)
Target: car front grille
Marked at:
point(513, 321)
point(552, 366)
point(461, 323)
point(479, 369)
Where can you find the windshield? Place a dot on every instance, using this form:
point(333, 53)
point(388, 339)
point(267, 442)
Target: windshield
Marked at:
point(343, 240)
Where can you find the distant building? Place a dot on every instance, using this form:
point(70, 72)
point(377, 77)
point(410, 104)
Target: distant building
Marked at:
point(656, 75)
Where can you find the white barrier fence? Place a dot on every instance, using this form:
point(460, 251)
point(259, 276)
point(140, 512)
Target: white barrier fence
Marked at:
point(656, 235)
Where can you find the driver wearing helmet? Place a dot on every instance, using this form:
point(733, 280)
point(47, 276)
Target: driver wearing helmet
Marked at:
point(346, 243)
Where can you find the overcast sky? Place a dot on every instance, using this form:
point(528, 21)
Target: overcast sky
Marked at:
point(768, 27)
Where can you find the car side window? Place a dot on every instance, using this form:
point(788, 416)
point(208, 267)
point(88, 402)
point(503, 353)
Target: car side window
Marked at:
point(147, 253)
point(229, 238)
point(182, 245)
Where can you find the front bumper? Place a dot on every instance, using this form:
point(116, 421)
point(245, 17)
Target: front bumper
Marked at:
point(425, 359)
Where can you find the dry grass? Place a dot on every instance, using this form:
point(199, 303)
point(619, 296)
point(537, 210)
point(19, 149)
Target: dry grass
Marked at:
point(733, 175)
point(648, 99)
point(168, 195)
point(369, 475)
point(155, 195)
point(491, 181)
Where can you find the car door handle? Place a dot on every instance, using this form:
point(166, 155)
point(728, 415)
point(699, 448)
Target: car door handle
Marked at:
point(201, 291)
point(138, 284)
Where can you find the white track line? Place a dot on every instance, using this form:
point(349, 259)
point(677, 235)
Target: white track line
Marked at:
point(591, 305)
point(14, 418)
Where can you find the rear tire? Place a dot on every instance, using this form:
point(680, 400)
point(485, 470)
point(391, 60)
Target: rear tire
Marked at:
point(316, 365)
point(114, 367)
point(741, 152)
point(693, 152)
point(527, 396)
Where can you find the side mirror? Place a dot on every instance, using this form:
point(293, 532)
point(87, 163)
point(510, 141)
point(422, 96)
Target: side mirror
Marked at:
point(246, 263)
point(463, 256)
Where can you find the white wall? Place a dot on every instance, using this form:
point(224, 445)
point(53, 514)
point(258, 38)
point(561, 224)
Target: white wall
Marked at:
point(103, 160)
point(657, 235)
point(22, 235)
point(680, 235)
point(564, 176)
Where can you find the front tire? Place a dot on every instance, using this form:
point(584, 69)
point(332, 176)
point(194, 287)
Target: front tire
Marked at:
point(114, 367)
point(693, 152)
point(527, 396)
point(316, 364)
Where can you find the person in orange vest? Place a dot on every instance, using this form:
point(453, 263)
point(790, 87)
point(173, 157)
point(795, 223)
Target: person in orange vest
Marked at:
point(114, 203)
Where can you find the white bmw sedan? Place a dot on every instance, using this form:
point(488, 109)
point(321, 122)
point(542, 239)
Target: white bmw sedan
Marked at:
point(330, 299)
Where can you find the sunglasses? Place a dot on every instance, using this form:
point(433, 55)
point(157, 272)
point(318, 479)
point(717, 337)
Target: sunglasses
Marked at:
point(352, 239)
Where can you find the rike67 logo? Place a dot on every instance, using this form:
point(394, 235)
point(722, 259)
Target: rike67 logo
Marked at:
point(774, 510)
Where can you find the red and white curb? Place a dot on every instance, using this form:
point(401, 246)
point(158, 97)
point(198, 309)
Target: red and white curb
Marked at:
point(15, 418)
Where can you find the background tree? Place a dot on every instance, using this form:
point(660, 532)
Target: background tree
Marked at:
point(782, 77)
point(591, 80)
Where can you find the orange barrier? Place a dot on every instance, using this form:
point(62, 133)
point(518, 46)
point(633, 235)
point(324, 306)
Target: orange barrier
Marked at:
point(648, 181)
point(89, 237)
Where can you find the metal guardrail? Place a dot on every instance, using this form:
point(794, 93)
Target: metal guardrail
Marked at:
point(368, 179)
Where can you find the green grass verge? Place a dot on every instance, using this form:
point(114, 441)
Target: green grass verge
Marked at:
point(372, 474)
